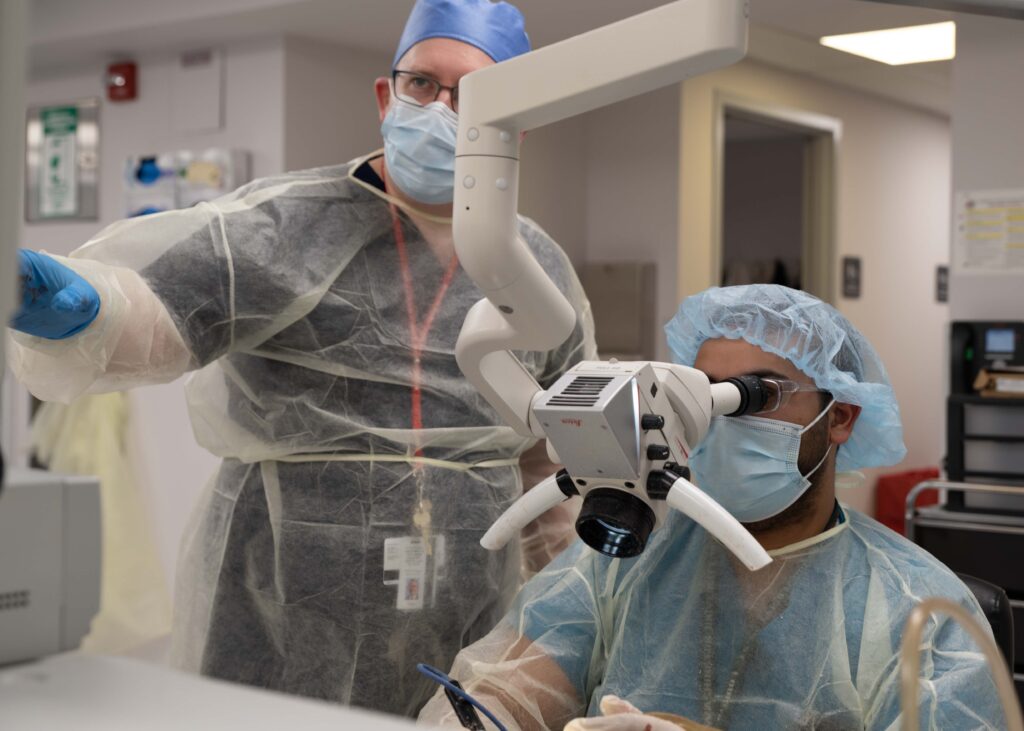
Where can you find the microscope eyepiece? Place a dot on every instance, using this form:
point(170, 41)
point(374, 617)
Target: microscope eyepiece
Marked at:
point(753, 394)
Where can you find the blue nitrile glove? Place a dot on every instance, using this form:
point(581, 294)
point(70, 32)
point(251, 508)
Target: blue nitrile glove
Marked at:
point(56, 302)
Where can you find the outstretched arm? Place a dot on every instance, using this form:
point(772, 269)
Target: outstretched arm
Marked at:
point(514, 679)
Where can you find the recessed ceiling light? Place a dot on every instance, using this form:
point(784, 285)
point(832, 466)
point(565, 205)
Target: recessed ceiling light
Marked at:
point(897, 46)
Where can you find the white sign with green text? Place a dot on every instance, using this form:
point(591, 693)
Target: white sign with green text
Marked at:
point(58, 181)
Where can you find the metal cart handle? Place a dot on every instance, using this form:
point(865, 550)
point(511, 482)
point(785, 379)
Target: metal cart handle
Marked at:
point(908, 523)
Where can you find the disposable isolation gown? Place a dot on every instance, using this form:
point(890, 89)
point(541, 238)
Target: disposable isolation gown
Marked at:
point(810, 641)
point(303, 570)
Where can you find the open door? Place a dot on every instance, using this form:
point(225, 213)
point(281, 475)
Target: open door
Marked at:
point(775, 218)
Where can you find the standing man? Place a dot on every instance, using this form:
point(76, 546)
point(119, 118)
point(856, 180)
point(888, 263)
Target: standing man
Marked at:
point(338, 544)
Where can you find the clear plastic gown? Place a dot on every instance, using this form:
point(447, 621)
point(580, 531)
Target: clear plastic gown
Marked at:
point(810, 641)
point(287, 298)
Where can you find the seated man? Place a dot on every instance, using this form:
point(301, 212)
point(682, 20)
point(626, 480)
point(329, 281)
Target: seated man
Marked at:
point(811, 640)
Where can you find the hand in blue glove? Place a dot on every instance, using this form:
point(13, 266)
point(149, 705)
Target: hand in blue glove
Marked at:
point(56, 302)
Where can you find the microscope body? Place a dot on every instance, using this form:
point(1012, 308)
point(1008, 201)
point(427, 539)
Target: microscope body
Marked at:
point(614, 427)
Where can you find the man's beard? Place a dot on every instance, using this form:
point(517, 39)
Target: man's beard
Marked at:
point(813, 445)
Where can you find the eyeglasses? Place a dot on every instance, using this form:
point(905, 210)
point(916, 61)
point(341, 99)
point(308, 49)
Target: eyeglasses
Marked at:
point(780, 390)
point(421, 90)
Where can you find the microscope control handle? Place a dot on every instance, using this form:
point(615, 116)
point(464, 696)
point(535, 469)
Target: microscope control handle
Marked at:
point(685, 497)
point(535, 502)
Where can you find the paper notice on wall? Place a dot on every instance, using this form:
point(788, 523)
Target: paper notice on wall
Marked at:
point(58, 179)
point(989, 232)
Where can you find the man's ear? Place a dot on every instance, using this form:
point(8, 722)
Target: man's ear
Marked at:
point(842, 417)
point(382, 90)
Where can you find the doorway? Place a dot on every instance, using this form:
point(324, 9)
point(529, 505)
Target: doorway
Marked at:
point(776, 197)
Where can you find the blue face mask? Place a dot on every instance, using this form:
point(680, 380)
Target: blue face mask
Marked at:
point(419, 149)
point(749, 465)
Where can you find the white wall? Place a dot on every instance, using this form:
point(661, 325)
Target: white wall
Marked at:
point(893, 212)
point(604, 185)
point(330, 111)
point(988, 147)
point(254, 120)
point(552, 183)
point(633, 191)
point(172, 467)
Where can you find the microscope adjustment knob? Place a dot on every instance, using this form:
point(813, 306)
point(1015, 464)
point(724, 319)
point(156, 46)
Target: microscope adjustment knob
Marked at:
point(649, 422)
point(656, 452)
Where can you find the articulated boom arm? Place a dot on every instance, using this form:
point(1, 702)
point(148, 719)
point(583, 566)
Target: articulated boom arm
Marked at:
point(523, 309)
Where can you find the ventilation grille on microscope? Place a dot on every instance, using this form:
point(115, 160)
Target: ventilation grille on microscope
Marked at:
point(583, 391)
point(13, 600)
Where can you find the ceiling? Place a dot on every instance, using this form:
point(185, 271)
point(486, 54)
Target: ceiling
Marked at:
point(91, 32)
point(376, 24)
point(816, 18)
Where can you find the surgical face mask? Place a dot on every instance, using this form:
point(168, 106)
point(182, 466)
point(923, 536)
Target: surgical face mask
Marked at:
point(749, 465)
point(419, 149)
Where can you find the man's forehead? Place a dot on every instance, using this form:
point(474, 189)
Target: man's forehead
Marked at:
point(722, 358)
point(444, 57)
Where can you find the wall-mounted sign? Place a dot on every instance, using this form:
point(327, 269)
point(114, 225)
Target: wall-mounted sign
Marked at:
point(989, 234)
point(58, 184)
point(62, 162)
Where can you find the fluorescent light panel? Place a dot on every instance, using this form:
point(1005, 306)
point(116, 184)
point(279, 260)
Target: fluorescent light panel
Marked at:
point(898, 46)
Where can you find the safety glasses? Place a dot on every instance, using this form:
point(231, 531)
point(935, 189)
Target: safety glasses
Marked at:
point(780, 390)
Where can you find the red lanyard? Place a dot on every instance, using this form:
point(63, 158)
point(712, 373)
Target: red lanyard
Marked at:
point(418, 331)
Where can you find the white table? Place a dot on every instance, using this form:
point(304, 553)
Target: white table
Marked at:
point(90, 692)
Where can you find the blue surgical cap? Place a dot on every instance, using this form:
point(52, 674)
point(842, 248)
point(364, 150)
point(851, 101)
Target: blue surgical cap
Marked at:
point(496, 28)
point(816, 339)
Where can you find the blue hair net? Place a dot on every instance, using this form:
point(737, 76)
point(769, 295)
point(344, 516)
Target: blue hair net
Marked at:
point(496, 28)
point(816, 339)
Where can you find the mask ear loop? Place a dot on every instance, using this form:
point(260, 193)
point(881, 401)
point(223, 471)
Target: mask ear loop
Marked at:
point(827, 451)
point(820, 463)
point(818, 417)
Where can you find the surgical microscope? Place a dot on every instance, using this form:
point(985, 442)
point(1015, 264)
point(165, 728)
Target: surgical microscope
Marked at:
point(623, 430)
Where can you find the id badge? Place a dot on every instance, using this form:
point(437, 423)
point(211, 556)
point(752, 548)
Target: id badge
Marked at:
point(413, 572)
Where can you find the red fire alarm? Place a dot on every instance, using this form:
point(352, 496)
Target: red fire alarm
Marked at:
point(122, 81)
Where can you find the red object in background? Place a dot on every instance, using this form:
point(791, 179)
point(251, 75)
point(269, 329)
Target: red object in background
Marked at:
point(122, 81)
point(891, 496)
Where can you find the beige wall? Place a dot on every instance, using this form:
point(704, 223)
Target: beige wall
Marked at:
point(893, 183)
point(330, 114)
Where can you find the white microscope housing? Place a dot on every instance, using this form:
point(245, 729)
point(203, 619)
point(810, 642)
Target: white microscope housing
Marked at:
point(50, 551)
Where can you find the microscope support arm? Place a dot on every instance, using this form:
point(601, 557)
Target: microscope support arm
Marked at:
point(524, 310)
